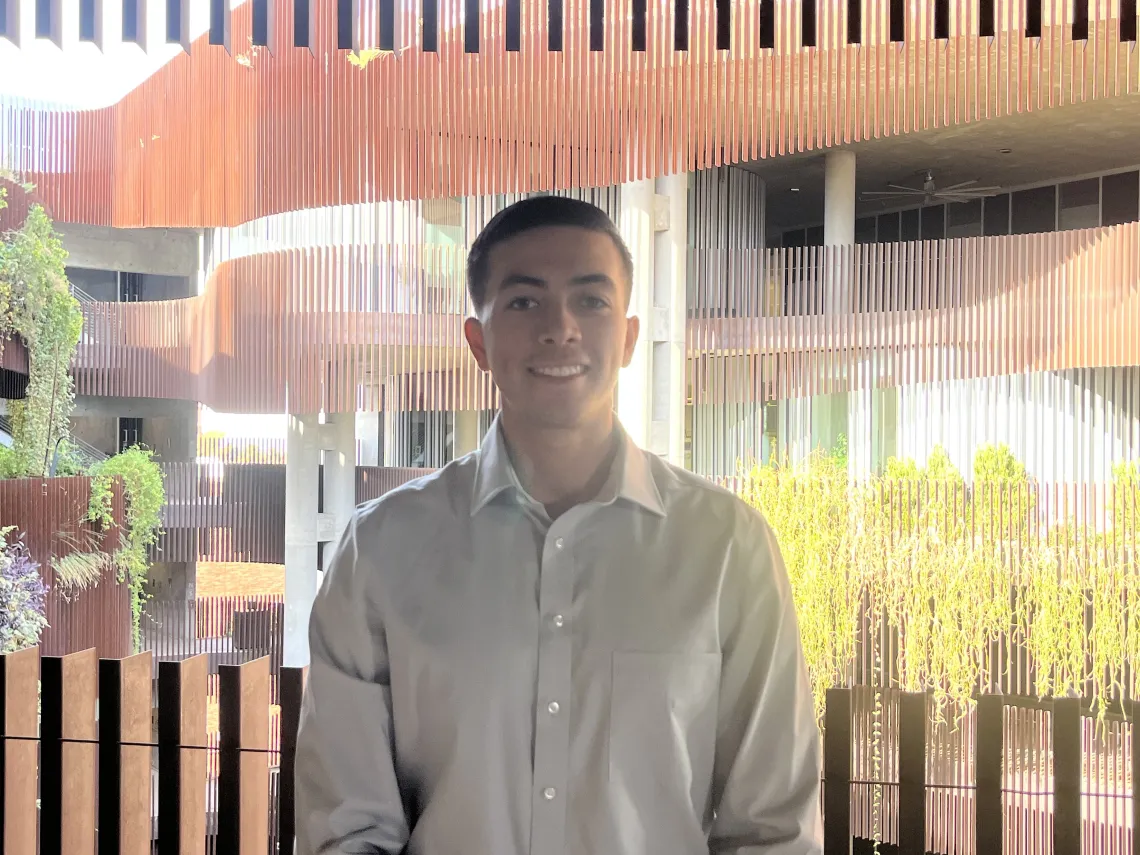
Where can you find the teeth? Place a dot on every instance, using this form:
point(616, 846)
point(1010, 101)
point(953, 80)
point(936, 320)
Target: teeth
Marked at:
point(560, 371)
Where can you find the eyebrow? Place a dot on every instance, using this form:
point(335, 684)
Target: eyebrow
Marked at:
point(518, 280)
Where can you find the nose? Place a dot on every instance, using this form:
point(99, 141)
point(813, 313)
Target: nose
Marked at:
point(559, 325)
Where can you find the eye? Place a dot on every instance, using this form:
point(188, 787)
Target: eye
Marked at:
point(518, 303)
point(592, 302)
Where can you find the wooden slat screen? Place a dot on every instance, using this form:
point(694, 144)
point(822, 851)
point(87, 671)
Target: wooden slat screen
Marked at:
point(297, 320)
point(1036, 760)
point(300, 129)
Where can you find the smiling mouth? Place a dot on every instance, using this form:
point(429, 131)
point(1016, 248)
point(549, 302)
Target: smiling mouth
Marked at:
point(559, 371)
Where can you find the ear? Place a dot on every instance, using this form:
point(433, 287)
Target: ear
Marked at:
point(632, 329)
point(473, 332)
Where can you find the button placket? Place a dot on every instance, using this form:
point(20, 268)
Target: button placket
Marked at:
point(552, 733)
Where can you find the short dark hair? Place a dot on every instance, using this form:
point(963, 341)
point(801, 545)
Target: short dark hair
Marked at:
point(535, 213)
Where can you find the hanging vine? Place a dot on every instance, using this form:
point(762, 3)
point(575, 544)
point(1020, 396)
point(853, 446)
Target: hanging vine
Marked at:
point(952, 572)
point(144, 494)
point(40, 309)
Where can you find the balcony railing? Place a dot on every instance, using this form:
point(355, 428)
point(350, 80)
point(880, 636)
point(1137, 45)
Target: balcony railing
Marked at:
point(1008, 304)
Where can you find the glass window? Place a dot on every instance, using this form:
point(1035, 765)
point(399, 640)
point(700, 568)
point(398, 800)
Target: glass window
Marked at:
point(793, 238)
point(1034, 211)
point(934, 222)
point(174, 21)
point(43, 19)
point(814, 236)
point(995, 215)
point(865, 230)
point(888, 227)
point(908, 229)
point(1121, 199)
point(130, 21)
point(964, 219)
point(1080, 204)
point(86, 20)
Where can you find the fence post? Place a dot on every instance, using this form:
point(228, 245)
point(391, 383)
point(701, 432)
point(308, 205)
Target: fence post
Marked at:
point(125, 692)
point(989, 810)
point(243, 758)
point(837, 773)
point(913, 714)
point(67, 778)
point(182, 693)
point(292, 688)
point(19, 754)
point(1067, 776)
point(1134, 717)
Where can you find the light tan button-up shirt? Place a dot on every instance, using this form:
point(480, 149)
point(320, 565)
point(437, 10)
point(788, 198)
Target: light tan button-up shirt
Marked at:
point(624, 680)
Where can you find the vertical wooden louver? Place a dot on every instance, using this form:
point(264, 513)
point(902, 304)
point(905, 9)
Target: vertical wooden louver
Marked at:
point(403, 126)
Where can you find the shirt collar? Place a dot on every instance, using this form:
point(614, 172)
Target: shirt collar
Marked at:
point(631, 477)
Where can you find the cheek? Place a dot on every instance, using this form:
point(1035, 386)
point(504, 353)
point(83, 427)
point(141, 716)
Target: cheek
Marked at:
point(503, 349)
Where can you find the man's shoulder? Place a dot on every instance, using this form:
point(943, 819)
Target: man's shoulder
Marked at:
point(426, 500)
point(698, 499)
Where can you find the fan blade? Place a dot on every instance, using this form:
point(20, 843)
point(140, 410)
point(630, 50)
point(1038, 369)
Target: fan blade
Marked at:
point(959, 185)
point(907, 189)
point(893, 193)
point(965, 196)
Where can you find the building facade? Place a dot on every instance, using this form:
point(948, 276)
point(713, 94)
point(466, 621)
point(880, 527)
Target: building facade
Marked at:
point(872, 225)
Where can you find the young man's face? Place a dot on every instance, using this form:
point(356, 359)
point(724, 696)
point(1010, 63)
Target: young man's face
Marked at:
point(553, 330)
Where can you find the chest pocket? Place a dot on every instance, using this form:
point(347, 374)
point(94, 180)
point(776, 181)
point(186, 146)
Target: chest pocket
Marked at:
point(663, 715)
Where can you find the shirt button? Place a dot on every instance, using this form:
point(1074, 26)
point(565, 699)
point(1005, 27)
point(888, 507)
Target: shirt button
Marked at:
point(553, 708)
point(558, 543)
point(558, 621)
point(549, 793)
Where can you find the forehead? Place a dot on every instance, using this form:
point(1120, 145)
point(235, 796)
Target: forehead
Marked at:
point(555, 253)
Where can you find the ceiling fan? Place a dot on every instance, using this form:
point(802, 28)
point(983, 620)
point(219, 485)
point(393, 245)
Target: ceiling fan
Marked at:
point(929, 192)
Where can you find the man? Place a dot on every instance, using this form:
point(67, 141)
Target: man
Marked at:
point(558, 643)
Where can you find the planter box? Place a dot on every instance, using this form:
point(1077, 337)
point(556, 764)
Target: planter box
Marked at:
point(47, 512)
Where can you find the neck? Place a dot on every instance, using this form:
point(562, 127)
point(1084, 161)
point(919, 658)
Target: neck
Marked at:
point(561, 468)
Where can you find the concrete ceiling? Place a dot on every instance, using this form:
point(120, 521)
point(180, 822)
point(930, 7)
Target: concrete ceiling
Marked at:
point(1045, 146)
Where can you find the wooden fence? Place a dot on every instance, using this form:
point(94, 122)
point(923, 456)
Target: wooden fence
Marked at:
point(144, 775)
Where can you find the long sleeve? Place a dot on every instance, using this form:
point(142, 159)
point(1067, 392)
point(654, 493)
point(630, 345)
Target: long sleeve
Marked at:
point(767, 770)
point(347, 796)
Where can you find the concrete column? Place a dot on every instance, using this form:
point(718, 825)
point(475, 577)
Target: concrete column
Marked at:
point(832, 414)
point(339, 446)
point(861, 425)
point(368, 435)
point(839, 198)
point(466, 435)
point(302, 462)
point(635, 382)
point(794, 429)
point(670, 269)
point(651, 391)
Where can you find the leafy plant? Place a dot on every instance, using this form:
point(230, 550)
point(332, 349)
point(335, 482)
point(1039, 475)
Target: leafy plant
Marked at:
point(808, 507)
point(36, 304)
point(1005, 491)
point(79, 570)
point(22, 593)
point(144, 495)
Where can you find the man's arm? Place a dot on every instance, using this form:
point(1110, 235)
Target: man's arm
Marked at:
point(766, 784)
point(348, 800)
